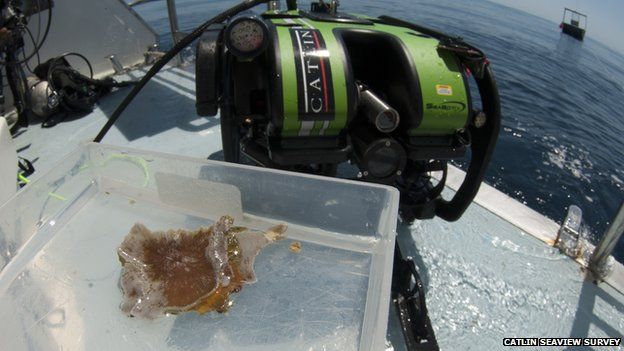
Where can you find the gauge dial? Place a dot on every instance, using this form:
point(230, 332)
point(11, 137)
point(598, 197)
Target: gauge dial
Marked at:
point(247, 37)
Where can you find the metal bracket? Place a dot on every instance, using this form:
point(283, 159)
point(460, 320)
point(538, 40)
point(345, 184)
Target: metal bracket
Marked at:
point(569, 237)
point(117, 66)
point(572, 241)
point(409, 298)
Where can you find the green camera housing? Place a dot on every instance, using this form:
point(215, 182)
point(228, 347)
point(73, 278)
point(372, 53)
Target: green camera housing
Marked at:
point(309, 90)
point(439, 103)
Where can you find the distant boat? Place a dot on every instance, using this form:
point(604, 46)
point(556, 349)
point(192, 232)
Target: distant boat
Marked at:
point(573, 24)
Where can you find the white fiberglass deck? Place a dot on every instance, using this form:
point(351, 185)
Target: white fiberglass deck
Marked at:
point(485, 278)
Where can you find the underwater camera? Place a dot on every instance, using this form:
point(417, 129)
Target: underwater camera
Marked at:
point(308, 90)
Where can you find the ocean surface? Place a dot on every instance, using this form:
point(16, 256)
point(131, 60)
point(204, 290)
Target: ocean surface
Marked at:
point(562, 100)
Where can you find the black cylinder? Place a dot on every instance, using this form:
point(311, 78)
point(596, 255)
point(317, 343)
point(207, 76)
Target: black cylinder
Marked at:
point(291, 5)
point(379, 157)
point(380, 114)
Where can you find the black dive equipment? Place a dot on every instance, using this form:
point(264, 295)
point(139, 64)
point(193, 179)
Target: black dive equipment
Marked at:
point(14, 16)
point(53, 85)
point(57, 86)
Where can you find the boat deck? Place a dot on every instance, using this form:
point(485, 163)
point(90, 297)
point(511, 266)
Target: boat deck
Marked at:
point(485, 278)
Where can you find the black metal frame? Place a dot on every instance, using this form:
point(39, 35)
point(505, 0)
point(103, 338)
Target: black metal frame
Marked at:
point(572, 13)
point(575, 30)
point(408, 297)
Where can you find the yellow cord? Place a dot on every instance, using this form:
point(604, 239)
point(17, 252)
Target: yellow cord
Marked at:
point(134, 159)
point(51, 194)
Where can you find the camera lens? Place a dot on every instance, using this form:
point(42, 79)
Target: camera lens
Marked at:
point(383, 158)
point(387, 121)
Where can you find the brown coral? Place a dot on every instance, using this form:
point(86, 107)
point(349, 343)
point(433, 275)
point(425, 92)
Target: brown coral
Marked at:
point(178, 270)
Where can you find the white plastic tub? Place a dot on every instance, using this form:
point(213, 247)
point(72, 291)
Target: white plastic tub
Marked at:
point(59, 279)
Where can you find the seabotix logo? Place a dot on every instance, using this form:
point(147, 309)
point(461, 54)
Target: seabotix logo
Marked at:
point(451, 106)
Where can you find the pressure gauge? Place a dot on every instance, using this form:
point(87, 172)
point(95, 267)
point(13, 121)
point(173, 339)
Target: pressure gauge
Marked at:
point(246, 37)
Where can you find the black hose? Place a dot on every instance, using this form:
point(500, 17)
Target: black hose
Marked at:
point(38, 47)
point(77, 55)
point(49, 77)
point(188, 39)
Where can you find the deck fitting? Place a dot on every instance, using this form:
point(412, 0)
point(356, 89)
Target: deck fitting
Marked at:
point(569, 238)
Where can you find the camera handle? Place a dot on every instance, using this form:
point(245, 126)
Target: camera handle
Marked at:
point(482, 147)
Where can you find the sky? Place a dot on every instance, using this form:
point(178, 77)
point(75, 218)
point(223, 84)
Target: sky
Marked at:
point(605, 18)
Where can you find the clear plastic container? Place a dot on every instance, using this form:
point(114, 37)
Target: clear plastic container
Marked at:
point(59, 283)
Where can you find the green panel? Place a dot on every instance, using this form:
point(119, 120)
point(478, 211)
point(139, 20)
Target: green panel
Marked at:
point(437, 70)
point(441, 113)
